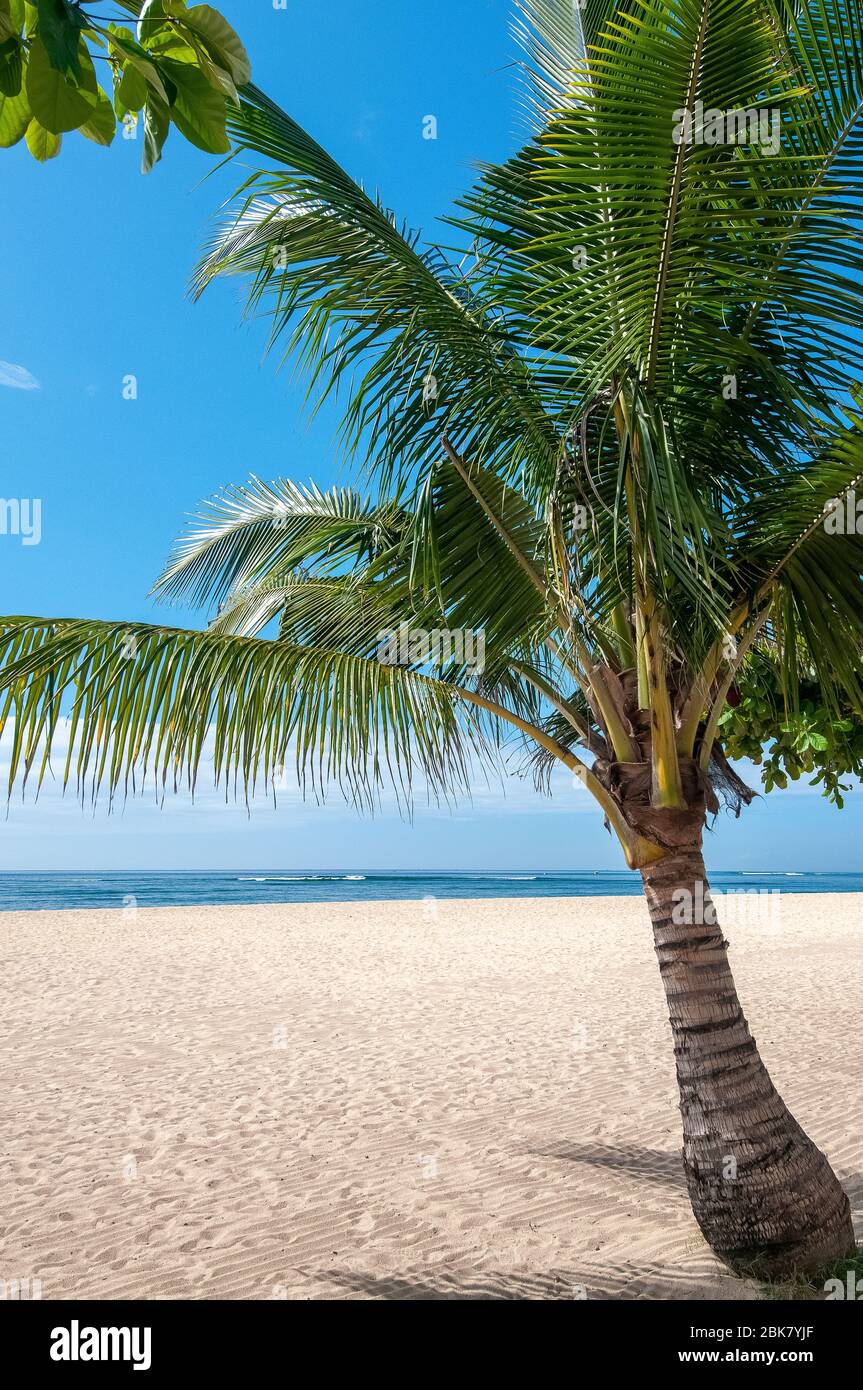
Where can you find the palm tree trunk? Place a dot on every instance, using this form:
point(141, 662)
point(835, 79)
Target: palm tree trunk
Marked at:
point(765, 1197)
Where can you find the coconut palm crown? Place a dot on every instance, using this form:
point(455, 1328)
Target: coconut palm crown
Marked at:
point(602, 441)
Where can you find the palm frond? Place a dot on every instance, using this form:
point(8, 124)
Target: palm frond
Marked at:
point(617, 249)
point(551, 33)
point(248, 531)
point(348, 290)
point(142, 700)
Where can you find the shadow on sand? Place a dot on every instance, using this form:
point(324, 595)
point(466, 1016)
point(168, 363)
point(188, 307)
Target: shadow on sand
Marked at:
point(653, 1165)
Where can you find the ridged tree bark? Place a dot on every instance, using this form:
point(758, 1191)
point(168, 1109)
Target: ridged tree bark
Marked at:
point(765, 1197)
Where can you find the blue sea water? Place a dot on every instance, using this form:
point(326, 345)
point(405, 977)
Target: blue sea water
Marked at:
point(34, 891)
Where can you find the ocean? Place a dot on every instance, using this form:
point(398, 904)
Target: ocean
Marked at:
point(118, 889)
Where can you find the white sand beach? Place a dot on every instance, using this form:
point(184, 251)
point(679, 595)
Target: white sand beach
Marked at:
point(385, 1100)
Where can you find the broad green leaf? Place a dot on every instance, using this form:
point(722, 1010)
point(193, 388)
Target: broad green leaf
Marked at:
point(11, 66)
point(127, 47)
point(152, 17)
point(54, 102)
point(60, 28)
point(11, 17)
point(132, 90)
point(218, 78)
point(8, 28)
point(43, 144)
point(14, 119)
point(198, 111)
point(102, 125)
point(157, 123)
point(223, 42)
point(168, 43)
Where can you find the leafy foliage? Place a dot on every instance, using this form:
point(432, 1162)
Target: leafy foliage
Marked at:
point(180, 65)
point(789, 743)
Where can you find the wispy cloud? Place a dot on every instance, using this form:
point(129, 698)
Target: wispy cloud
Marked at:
point(17, 377)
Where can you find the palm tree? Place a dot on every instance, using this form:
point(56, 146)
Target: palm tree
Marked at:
point(601, 436)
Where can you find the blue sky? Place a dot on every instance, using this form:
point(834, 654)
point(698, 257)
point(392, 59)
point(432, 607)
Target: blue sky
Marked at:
point(93, 273)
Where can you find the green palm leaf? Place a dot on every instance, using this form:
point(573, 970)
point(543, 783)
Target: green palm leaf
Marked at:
point(142, 700)
point(247, 531)
point(351, 291)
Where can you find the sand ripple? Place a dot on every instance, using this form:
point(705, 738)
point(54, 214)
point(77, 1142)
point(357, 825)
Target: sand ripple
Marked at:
point(353, 1101)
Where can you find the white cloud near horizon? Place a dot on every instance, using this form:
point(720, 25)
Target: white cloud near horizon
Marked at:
point(18, 378)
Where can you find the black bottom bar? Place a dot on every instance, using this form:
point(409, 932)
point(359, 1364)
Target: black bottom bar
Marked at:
point(164, 1339)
